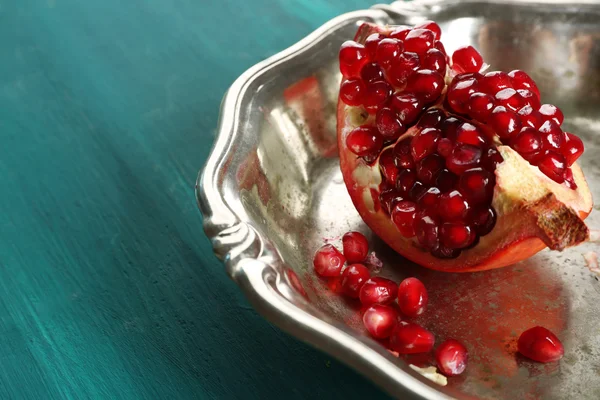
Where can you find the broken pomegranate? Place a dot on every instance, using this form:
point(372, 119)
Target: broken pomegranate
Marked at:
point(410, 338)
point(412, 297)
point(451, 357)
point(455, 168)
point(539, 344)
point(380, 320)
point(356, 247)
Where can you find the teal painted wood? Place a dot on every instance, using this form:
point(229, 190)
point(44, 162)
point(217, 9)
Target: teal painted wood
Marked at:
point(109, 289)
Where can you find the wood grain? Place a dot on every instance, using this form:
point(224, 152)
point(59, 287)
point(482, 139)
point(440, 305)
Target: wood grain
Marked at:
point(110, 290)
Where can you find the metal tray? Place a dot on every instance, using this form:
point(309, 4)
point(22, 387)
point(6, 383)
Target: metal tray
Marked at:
point(271, 192)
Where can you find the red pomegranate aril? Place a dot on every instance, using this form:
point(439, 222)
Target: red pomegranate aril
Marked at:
point(440, 46)
point(527, 142)
point(530, 117)
point(491, 158)
point(446, 181)
point(406, 180)
point(445, 252)
point(371, 44)
point(444, 147)
point(484, 220)
point(569, 180)
point(352, 57)
point(530, 98)
point(463, 157)
point(426, 229)
point(399, 71)
point(400, 32)
point(553, 166)
point(521, 80)
point(466, 59)
point(539, 344)
point(451, 357)
point(426, 83)
point(435, 60)
point(387, 166)
point(429, 168)
point(417, 191)
point(388, 124)
point(412, 297)
point(433, 27)
point(328, 261)
point(494, 81)
point(430, 199)
point(551, 112)
point(410, 338)
point(364, 141)
point(510, 99)
point(380, 320)
point(572, 149)
point(449, 126)
point(403, 216)
point(480, 106)
point(477, 186)
point(505, 122)
point(470, 134)
point(402, 155)
point(371, 72)
point(353, 278)
point(407, 106)
point(553, 137)
point(387, 51)
point(455, 235)
point(378, 290)
point(461, 88)
point(431, 118)
point(388, 198)
point(356, 247)
point(419, 41)
point(376, 93)
point(352, 92)
point(452, 206)
point(424, 143)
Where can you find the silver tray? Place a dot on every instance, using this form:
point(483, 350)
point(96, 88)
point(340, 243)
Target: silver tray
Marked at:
point(271, 192)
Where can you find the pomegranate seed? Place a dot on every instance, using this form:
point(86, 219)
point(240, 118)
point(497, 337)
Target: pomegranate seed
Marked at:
point(456, 235)
point(453, 206)
point(521, 80)
point(399, 71)
point(446, 181)
point(530, 117)
point(510, 99)
point(569, 180)
point(353, 278)
point(424, 143)
point(387, 166)
point(430, 199)
point(419, 41)
point(403, 216)
point(445, 252)
point(380, 320)
point(480, 105)
point(371, 72)
point(431, 118)
point(451, 357)
point(407, 106)
point(466, 59)
point(504, 122)
point(356, 247)
point(470, 134)
point(440, 46)
point(550, 112)
point(410, 338)
point(539, 344)
point(426, 83)
point(376, 93)
point(449, 126)
point(435, 60)
point(387, 51)
point(426, 228)
point(364, 141)
point(461, 88)
point(328, 261)
point(378, 290)
point(429, 168)
point(433, 27)
point(402, 154)
point(553, 166)
point(406, 180)
point(463, 157)
point(412, 297)
point(444, 147)
point(389, 197)
point(491, 158)
point(553, 137)
point(477, 186)
point(371, 44)
point(352, 91)
point(417, 191)
point(352, 57)
point(527, 143)
point(494, 81)
point(483, 219)
point(388, 124)
point(572, 149)
point(530, 98)
point(400, 32)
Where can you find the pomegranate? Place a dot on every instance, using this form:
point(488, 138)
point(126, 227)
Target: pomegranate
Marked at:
point(410, 338)
point(378, 291)
point(380, 320)
point(412, 297)
point(454, 168)
point(328, 261)
point(540, 344)
point(353, 278)
point(356, 247)
point(451, 357)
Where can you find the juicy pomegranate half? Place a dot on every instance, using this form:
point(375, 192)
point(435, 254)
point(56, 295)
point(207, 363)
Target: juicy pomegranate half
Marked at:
point(455, 168)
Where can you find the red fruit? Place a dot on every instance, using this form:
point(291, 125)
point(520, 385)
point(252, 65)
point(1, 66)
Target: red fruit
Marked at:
point(433, 27)
point(356, 247)
point(485, 139)
point(380, 320)
point(410, 338)
point(353, 278)
point(412, 297)
point(451, 357)
point(539, 344)
point(328, 261)
point(352, 92)
point(466, 59)
point(378, 291)
point(352, 58)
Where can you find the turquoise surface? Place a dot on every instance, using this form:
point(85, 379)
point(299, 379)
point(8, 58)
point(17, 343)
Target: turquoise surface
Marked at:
point(109, 288)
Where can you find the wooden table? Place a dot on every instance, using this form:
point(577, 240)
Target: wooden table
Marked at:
point(110, 289)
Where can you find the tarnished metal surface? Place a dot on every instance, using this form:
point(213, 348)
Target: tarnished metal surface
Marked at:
point(272, 191)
